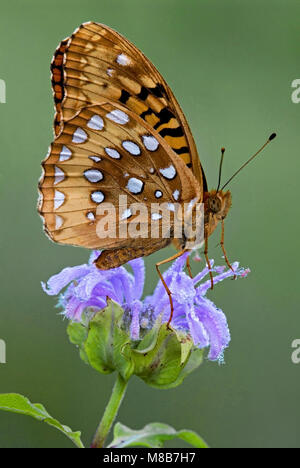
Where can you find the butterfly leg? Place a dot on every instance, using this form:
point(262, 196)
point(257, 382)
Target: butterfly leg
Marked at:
point(188, 265)
point(207, 260)
point(224, 251)
point(163, 262)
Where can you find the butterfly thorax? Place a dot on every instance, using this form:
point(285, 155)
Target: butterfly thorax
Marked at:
point(216, 207)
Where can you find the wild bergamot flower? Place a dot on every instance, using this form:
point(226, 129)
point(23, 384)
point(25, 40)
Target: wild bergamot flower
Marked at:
point(87, 290)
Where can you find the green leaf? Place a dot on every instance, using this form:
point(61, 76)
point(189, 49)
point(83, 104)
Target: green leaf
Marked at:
point(195, 360)
point(161, 363)
point(153, 436)
point(16, 403)
point(77, 335)
point(107, 344)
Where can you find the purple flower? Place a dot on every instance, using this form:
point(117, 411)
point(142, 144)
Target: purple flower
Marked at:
point(88, 288)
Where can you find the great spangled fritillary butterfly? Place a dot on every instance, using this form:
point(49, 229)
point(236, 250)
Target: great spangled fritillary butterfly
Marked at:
point(118, 130)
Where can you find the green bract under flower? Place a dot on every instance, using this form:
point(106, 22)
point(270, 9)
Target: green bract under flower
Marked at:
point(162, 357)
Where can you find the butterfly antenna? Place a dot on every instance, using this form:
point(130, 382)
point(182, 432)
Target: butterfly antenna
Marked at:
point(249, 160)
point(220, 168)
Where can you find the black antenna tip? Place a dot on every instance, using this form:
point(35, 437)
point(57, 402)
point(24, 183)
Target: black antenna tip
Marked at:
point(274, 135)
point(222, 150)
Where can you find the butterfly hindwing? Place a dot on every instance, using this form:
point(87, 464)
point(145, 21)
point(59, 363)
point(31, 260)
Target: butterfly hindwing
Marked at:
point(101, 153)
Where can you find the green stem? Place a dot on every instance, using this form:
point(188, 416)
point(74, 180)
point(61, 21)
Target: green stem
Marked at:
point(110, 412)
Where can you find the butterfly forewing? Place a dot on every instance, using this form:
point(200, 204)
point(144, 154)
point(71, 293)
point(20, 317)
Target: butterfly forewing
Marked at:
point(57, 73)
point(98, 63)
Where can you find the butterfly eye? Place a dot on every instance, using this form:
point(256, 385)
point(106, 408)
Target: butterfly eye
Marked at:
point(214, 204)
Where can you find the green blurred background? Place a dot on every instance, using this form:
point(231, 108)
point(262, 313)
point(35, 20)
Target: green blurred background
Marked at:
point(230, 65)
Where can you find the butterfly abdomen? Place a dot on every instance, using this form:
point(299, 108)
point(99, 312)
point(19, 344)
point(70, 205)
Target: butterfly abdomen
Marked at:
point(117, 257)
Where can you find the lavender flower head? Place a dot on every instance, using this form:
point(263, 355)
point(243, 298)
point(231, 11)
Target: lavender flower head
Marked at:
point(88, 288)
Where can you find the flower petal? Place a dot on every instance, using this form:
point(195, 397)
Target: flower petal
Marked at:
point(204, 272)
point(138, 268)
point(136, 309)
point(120, 276)
point(85, 286)
point(216, 327)
point(203, 288)
point(197, 330)
point(160, 290)
point(58, 282)
point(74, 309)
point(182, 288)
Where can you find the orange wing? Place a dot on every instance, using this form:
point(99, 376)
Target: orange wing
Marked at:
point(102, 152)
point(95, 64)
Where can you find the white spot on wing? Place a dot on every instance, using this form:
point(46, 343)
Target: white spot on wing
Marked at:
point(110, 71)
point(122, 59)
point(58, 222)
point(96, 122)
point(65, 154)
point(90, 216)
point(192, 203)
point(95, 158)
point(118, 116)
point(93, 175)
point(150, 142)
point(97, 197)
point(176, 194)
point(59, 199)
point(59, 175)
point(135, 185)
point(131, 147)
point(79, 136)
point(158, 194)
point(40, 200)
point(113, 153)
point(171, 207)
point(126, 214)
point(156, 216)
point(168, 172)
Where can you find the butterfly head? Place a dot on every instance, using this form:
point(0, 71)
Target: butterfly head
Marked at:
point(217, 203)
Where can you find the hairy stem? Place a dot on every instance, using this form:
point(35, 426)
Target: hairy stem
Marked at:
point(110, 413)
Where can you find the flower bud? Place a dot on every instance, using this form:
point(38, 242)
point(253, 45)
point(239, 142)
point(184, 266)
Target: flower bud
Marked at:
point(163, 357)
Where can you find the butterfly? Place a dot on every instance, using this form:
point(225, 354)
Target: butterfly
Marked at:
point(119, 130)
